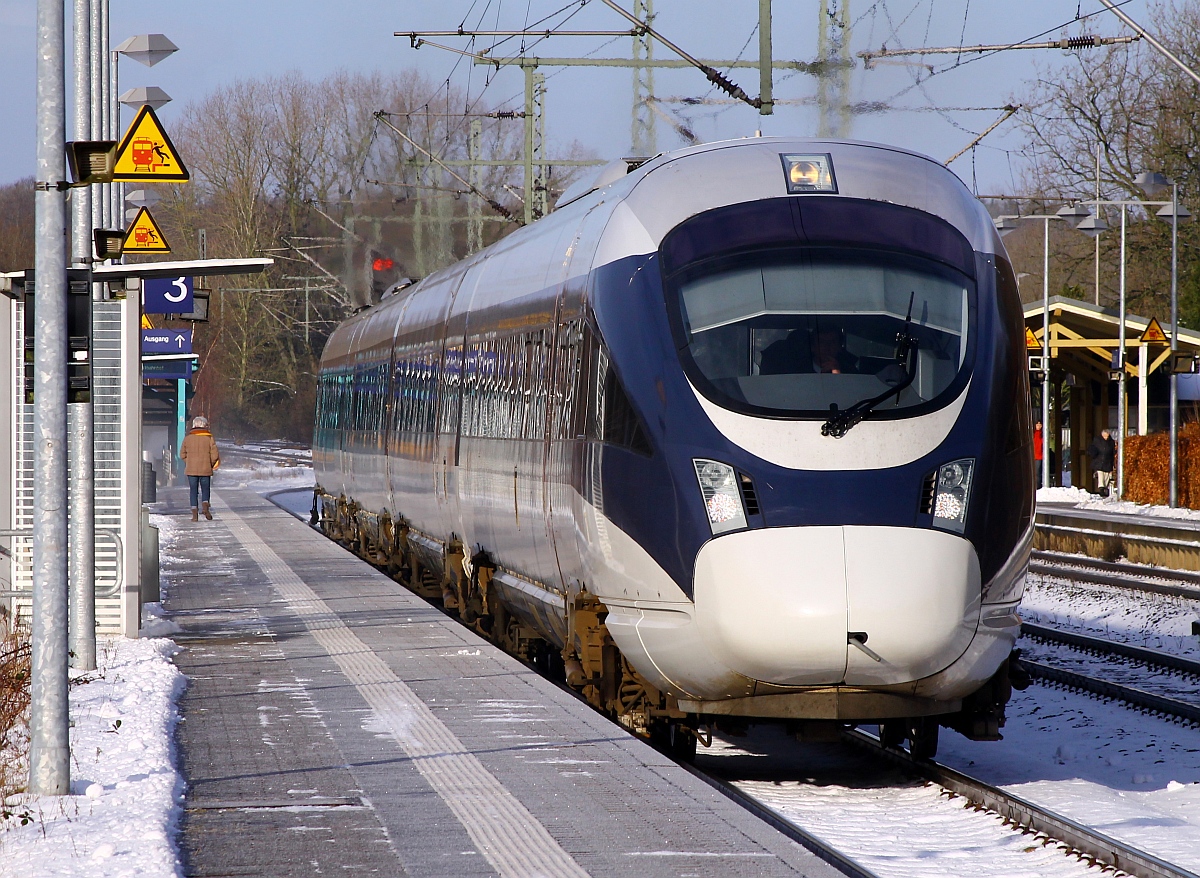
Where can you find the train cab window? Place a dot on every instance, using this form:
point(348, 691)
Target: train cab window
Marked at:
point(809, 331)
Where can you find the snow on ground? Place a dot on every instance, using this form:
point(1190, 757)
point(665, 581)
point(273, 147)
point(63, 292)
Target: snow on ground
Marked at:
point(1130, 775)
point(263, 467)
point(126, 791)
point(1141, 618)
point(1081, 499)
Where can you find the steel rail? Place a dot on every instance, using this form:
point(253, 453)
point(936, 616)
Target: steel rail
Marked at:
point(1136, 697)
point(1080, 574)
point(1064, 559)
point(1021, 812)
point(1152, 657)
point(777, 821)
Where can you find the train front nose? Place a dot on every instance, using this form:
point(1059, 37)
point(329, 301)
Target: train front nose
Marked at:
point(807, 606)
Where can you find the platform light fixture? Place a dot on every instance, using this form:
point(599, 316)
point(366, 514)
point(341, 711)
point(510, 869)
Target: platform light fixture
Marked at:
point(1073, 214)
point(1092, 226)
point(1006, 225)
point(147, 49)
point(91, 161)
point(110, 243)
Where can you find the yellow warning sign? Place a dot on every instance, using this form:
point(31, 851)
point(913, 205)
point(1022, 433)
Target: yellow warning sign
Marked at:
point(147, 154)
point(1154, 333)
point(147, 323)
point(1031, 340)
point(144, 236)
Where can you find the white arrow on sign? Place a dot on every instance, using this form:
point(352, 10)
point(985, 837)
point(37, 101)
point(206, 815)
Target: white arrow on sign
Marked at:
point(179, 341)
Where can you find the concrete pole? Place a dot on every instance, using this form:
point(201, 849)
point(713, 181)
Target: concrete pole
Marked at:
point(1121, 366)
point(475, 177)
point(1173, 493)
point(49, 741)
point(1046, 483)
point(765, 85)
point(81, 199)
point(528, 144)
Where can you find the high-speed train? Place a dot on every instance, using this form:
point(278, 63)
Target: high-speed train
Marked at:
point(738, 433)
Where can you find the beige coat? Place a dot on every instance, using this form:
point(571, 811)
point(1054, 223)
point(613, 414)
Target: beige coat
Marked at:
point(200, 453)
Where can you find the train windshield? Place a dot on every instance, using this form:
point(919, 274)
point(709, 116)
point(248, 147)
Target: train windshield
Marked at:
point(816, 331)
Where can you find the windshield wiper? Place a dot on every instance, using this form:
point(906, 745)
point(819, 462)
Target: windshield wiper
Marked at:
point(840, 423)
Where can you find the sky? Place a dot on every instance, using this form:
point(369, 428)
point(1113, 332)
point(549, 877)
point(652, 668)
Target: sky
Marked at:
point(221, 41)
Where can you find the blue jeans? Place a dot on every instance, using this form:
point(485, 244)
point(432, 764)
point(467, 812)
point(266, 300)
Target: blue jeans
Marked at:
point(200, 484)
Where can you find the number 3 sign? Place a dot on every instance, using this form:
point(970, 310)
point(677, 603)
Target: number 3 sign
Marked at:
point(167, 295)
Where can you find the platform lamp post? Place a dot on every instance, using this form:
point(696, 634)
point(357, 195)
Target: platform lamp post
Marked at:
point(1168, 210)
point(1153, 183)
point(1004, 225)
point(147, 49)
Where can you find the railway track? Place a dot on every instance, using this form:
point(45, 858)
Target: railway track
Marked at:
point(827, 852)
point(1136, 577)
point(1139, 698)
point(1088, 842)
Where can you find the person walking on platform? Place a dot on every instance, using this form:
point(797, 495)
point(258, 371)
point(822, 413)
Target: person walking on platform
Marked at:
point(200, 454)
point(1103, 452)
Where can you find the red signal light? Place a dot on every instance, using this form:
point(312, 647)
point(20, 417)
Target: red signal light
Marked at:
point(382, 263)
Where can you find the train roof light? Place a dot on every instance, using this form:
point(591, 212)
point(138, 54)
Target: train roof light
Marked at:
point(808, 173)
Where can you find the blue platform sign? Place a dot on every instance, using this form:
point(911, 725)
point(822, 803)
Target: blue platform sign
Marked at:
point(166, 341)
point(167, 295)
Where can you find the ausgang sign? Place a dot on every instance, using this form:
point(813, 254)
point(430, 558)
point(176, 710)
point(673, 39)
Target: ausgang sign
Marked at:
point(166, 341)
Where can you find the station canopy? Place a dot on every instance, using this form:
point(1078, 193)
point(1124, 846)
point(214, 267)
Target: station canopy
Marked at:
point(1084, 337)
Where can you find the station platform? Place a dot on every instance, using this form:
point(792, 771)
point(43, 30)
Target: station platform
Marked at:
point(1157, 540)
point(334, 723)
point(1185, 526)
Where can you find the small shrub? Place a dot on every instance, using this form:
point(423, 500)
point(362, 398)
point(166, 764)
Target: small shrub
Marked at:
point(14, 707)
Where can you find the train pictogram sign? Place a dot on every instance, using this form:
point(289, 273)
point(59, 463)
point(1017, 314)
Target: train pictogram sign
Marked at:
point(144, 235)
point(147, 154)
point(1154, 333)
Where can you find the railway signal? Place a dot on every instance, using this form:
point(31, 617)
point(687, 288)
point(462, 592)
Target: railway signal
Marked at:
point(383, 274)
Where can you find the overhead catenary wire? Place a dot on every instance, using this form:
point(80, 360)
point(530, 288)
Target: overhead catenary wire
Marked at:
point(1008, 114)
point(381, 115)
point(716, 77)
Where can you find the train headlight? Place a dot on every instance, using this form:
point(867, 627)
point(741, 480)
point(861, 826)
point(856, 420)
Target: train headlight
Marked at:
point(952, 494)
point(722, 499)
point(809, 173)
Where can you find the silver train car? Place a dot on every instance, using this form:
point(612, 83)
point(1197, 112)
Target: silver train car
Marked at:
point(739, 433)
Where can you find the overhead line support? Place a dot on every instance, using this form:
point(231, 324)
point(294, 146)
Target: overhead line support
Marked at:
point(1067, 44)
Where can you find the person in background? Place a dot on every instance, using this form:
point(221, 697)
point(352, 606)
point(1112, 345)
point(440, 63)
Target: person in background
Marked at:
point(1103, 452)
point(200, 454)
point(1037, 452)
